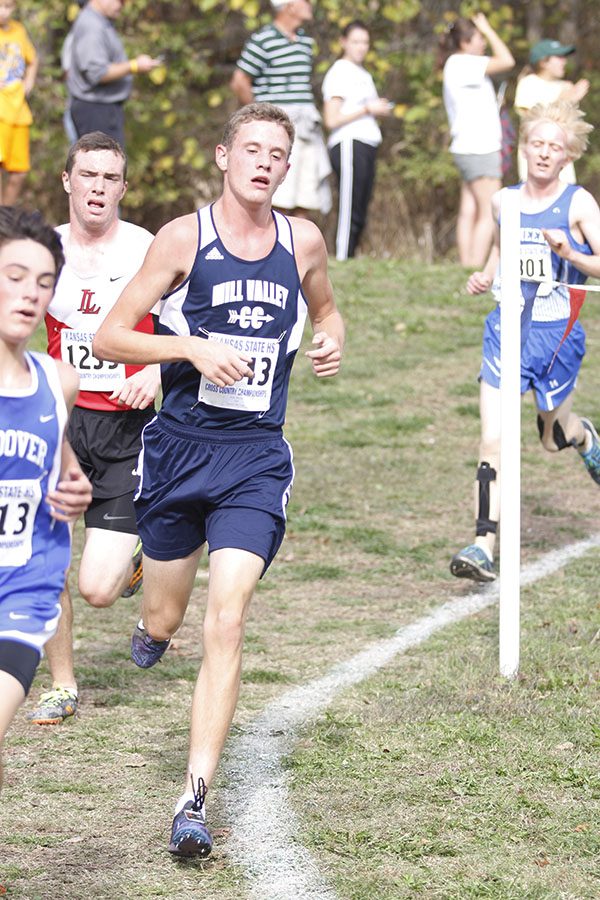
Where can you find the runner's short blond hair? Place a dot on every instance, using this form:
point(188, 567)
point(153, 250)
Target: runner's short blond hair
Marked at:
point(568, 117)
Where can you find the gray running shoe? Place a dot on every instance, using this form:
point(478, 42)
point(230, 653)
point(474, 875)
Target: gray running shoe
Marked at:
point(591, 459)
point(54, 707)
point(472, 562)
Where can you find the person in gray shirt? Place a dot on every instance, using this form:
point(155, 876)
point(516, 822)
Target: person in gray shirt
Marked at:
point(100, 75)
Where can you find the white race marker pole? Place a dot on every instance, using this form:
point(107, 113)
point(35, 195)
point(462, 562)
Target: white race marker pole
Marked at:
point(510, 444)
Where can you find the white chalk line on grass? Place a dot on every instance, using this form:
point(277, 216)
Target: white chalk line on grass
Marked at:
point(266, 835)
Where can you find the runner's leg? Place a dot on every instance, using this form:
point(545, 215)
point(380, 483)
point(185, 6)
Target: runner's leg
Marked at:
point(12, 695)
point(561, 427)
point(59, 649)
point(489, 452)
point(106, 565)
point(233, 576)
point(168, 585)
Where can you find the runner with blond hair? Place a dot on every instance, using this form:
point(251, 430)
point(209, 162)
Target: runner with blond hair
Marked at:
point(560, 245)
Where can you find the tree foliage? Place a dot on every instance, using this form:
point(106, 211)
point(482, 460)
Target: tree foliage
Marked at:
point(175, 115)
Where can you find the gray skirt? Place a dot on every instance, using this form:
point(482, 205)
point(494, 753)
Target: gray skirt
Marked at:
point(478, 165)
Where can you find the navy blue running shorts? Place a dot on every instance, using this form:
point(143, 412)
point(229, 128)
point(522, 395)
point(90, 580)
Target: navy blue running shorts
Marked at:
point(228, 488)
point(552, 386)
point(20, 661)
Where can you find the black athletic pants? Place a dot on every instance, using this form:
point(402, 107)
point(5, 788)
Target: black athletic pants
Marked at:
point(354, 164)
point(92, 116)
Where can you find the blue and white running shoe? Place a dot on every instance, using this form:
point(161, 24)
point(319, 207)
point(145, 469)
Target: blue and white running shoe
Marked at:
point(591, 459)
point(189, 834)
point(145, 651)
point(472, 562)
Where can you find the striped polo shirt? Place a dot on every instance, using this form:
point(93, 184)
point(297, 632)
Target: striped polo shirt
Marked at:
point(280, 69)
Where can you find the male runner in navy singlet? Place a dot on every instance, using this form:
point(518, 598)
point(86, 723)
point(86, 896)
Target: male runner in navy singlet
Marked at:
point(237, 281)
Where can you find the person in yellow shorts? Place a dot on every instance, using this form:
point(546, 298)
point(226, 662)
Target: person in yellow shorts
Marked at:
point(18, 69)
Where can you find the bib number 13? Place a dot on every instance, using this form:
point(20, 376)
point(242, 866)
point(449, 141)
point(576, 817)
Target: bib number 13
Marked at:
point(19, 501)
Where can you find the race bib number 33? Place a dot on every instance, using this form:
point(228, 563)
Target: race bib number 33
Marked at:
point(250, 394)
point(94, 374)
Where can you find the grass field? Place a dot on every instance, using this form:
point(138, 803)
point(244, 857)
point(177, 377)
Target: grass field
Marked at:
point(434, 778)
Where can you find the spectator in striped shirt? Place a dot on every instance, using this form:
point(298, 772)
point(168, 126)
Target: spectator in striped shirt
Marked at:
point(276, 67)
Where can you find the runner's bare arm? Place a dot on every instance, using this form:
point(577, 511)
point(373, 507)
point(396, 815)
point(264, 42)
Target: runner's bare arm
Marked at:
point(480, 282)
point(140, 389)
point(585, 216)
point(73, 493)
point(168, 262)
point(327, 323)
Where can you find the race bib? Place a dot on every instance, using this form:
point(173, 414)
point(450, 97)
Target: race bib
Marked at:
point(94, 374)
point(536, 265)
point(250, 394)
point(19, 500)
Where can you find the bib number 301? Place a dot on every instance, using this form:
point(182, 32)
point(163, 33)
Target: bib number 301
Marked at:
point(536, 265)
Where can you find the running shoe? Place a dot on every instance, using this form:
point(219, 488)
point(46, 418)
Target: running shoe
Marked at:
point(135, 582)
point(145, 651)
point(591, 459)
point(473, 563)
point(55, 706)
point(189, 834)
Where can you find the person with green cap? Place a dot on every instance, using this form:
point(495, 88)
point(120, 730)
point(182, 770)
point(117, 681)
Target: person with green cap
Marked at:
point(543, 81)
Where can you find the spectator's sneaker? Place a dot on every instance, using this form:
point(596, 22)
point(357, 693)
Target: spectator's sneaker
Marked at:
point(55, 706)
point(135, 582)
point(473, 563)
point(591, 459)
point(145, 651)
point(189, 834)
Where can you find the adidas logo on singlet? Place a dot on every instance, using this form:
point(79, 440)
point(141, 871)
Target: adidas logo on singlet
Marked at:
point(214, 254)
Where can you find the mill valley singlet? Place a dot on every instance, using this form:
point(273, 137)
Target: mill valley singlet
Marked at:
point(256, 307)
point(34, 547)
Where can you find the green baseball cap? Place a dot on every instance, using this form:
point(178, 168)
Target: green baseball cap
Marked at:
point(544, 49)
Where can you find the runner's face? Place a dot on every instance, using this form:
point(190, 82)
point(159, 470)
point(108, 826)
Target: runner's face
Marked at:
point(7, 8)
point(356, 46)
point(27, 278)
point(256, 163)
point(96, 187)
point(546, 151)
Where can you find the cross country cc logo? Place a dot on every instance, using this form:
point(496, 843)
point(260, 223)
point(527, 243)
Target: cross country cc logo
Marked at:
point(249, 317)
